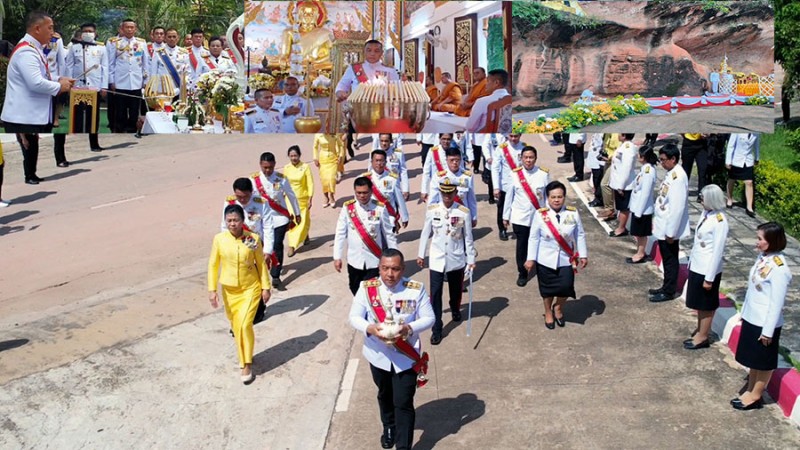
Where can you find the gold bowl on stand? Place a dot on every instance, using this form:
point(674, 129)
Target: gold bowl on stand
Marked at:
point(307, 124)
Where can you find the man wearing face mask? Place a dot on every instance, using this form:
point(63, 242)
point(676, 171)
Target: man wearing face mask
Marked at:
point(291, 106)
point(81, 57)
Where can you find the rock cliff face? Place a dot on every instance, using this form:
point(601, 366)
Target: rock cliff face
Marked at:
point(650, 48)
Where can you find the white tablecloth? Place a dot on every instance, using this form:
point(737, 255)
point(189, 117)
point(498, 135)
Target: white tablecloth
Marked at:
point(159, 122)
point(441, 122)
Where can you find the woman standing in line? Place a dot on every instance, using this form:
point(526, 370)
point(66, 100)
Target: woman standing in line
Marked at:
point(705, 264)
point(741, 158)
point(328, 154)
point(762, 317)
point(299, 175)
point(640, 224)
point(237, 263)
point(557, 245)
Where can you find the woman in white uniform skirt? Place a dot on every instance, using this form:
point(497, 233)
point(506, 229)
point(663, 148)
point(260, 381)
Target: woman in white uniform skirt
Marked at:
point(643, 198)
point(705, 265)
point(762, 317)
point(557, 246)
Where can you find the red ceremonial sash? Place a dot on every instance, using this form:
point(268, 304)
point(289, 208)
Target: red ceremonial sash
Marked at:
point(381, 198)
point(358, 70)
point(150, 49)
point(420, 362)
point(233, 57)
point(273, 204)
point(28, 44)
point(192, 59)
point(573, 258)
point(437, 160)
point(527, 188)
point(365, 237)
point(209, 63)
point(509, 158)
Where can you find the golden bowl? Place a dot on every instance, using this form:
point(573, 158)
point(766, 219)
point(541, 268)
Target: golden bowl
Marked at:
point(307, 124)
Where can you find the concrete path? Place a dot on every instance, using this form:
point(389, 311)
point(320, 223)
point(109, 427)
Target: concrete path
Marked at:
point(107, 339)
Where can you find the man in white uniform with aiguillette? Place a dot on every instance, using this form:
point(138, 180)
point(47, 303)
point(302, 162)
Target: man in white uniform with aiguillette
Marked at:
point(364, 72)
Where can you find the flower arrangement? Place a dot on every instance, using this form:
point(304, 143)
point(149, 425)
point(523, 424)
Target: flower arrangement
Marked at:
point(261, 81)
point(193, 110)
point(577, 116)
point(757, 100)
point(519, 127)
point(205, 84)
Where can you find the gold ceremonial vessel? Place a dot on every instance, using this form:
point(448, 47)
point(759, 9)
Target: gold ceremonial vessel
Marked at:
point(159, 91)
point(307, 124)
point(389, 107)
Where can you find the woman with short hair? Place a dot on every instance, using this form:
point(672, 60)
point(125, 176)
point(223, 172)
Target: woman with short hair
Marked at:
point(640, 223)
point(237, 263)
point(762, 317)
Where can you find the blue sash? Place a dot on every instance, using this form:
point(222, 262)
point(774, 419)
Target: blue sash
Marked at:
point(173, 72)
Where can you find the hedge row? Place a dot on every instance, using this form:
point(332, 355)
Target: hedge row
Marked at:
point(778, 195)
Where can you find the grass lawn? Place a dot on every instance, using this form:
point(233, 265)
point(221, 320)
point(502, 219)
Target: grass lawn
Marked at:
point(64, 123)
point(774, 148)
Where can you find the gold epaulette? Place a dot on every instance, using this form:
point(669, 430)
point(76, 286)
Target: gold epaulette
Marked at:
point(412, 284)
point(392, 174)
point(646, 169)
point(463, 209)
point(544, 169)
point(278, 175)
point(375, 282)
point(468, 173)
point(113, 39)
point(255, 175)
point(516, 169)
point(230, 198)
point(674, 175)
point(349, 202)
point(571, 208)
point(778, 261)
point(433, 206)
point(720, 217)
point(381, 204)
point(543, 209)
point(366, 174)
point(441, 173)
point(258, 199)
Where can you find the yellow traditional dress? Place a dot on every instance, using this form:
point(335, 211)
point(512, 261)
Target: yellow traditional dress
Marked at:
point(302, 183)
point(239, 266)
point(328, 150)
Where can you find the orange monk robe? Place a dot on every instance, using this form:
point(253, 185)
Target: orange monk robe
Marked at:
point(449, 99)
point(433, 92)
point(478, 91)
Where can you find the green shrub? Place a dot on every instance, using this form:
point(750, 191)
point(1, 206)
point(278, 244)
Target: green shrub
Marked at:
point(777, 195)
point(793, 140)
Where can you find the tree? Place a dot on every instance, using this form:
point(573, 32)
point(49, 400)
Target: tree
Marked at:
point(787, 49)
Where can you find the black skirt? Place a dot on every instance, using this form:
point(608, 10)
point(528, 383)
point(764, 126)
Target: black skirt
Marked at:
point(699, 298)
point(741, 173)
point(641, 226)
point(556, 283)
point(752, 353)
point(621, 201)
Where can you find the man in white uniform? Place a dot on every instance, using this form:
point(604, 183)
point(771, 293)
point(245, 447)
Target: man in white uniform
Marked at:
point(263, 118)
point(291, 106)
point(366, 71)
point(496, 84)
point(128, 66)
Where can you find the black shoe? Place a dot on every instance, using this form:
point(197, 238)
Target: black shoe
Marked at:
point(750, 213)
point(31, 181)
point(39, 179)
point(387, 438)
point(595, 204)
point(692, 346)
point(574, 179)
point(560, 322)
point(276, 282)
point(503, 235)
point(661, 297)
point(638, 261)
point(435, 340)
point(737, 404)
point(550, 325)
point(563, 160)
point(655, 291)
point(612, 234)
point(97, 149)
point(63, 164)
point(492, 200)
point(687, 342)
point(522, 281)
point(456, 316)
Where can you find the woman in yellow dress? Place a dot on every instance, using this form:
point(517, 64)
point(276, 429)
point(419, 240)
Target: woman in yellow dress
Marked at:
point(244, 279)
point(299, 175)
point(328, 154)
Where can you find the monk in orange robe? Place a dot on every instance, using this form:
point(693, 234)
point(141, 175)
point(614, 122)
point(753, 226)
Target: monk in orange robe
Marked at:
point(431, 89)
point(478, 90)
point(450, 97)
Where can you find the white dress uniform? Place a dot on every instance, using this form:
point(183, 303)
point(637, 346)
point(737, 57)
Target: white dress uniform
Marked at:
point(595, 146)
point(489, 144)
point(388, 183)
point(450, 232)
point(709, 245)
point(623, 167)
point(429, 167)
point(128, 62)
point(477, 117)
point(349, 81)
point(428, 138)
point(377, 223)
point(196, 65)
point(29, 86)
point(376, 140)
point(286, 101)
point(257, 219)
point(465, 189)
point(178, 56)
point(277, 187)
point(671, 212)
point(544, 248)
point(766, 292)
point(743, 150)
point(501, 170)
point(56, 57)
point(82, 56)
point(643, 195)
point(152, 47)
point(223, 63)
point(409, 304)
point(396, 163)
point(518, 208)
point(260, 120)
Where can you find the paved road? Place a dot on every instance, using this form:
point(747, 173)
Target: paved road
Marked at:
point(107, 340)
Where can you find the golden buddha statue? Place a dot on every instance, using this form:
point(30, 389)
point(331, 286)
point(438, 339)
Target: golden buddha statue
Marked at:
point(315, 41)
